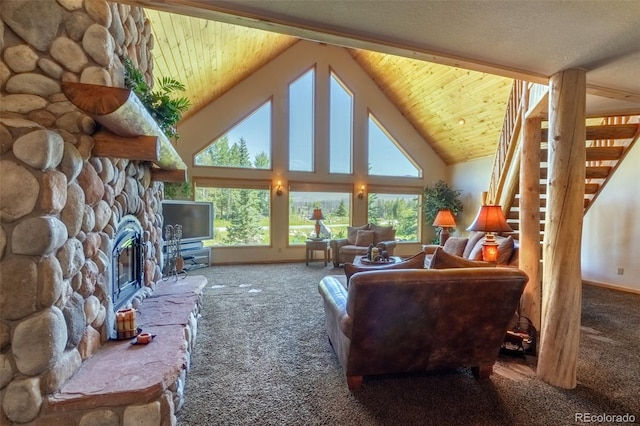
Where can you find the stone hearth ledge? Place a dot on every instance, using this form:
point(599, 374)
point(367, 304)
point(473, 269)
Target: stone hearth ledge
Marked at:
point(122, 374)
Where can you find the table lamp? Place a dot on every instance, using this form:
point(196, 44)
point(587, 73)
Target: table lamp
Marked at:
point(444, 220)
point(490, 219)
point(317, 216)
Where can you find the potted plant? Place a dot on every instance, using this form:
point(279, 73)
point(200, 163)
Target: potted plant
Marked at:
point(438, 197)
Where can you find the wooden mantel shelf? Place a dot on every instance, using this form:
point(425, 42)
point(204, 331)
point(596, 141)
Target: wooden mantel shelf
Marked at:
point(133, 133)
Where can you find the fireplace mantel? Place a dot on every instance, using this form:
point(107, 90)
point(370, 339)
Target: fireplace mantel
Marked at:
point(133, 133)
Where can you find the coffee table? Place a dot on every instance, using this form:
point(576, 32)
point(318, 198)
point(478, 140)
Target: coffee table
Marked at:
point(362, 262)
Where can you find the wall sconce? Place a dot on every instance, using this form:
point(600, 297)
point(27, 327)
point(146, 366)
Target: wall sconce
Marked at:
point(361, 192)
point(279, 188)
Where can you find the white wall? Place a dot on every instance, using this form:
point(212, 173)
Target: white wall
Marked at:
point(472, 178)
point(271, 82)
point(611, 229)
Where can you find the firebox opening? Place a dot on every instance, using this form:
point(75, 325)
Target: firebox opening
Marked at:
point(126, 259)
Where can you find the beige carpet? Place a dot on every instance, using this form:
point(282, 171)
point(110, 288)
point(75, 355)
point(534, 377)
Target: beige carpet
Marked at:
point(263, 358)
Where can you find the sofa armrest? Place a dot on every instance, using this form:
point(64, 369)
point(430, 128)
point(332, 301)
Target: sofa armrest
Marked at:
point(430, 248)
point(390, 245)
point(334, 294)
point(335, 249)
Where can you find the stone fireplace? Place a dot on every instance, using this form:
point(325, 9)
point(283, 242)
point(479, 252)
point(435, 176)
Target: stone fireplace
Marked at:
point(80, 235)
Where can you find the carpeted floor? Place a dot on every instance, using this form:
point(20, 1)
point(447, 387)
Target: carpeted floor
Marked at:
point(262, 357)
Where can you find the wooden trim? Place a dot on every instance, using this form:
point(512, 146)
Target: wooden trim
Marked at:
point(607, 131)
point(612, 287)
point(162, 175)
point(144, 148)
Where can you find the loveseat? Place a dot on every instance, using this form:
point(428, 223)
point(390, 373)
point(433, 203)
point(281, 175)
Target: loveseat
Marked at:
point(470, 248)
point(412, 320)
point(358, 240)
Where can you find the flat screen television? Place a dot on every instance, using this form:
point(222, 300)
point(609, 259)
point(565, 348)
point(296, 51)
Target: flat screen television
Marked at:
point(196, 218)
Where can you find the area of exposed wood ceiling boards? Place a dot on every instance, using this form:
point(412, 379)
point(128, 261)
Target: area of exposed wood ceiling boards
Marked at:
point(210, 57)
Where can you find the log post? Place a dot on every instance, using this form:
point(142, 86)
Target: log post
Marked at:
point(529, 252)
point(562, 281)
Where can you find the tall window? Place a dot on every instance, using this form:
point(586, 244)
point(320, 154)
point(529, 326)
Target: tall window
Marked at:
point(340, 127)
point(400, 210)
point(301, 123)
point(386, 157)
point(336, 210)
point(242, 215)
point(247, 145)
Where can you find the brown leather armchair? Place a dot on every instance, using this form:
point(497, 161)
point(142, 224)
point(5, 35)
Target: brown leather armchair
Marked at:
point(399, 321)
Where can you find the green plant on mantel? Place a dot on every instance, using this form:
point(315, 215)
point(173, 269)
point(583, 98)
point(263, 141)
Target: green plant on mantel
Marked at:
point(438, 197)
point(163, 106)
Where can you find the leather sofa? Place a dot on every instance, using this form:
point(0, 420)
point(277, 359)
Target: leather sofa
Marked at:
point(357, 242)
point(397, 321)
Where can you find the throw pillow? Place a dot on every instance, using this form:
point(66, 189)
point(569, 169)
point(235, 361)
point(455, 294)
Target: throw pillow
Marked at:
point(352, 232)
point(383, 233)
point(443, 260)
point(414, 262)
point(455, 245)
point(364, 238)
point(476, 252)
point(473, 241)
point(505, 249)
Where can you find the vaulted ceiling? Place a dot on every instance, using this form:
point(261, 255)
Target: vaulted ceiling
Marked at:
point(439, 62)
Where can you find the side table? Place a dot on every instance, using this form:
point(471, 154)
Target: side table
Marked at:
point(319, 245)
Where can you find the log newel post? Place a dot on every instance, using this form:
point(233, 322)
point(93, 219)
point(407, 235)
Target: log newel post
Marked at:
point(562, 282)
point(529, 252)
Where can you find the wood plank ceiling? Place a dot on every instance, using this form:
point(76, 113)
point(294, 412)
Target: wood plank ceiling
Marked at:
point(210, 57)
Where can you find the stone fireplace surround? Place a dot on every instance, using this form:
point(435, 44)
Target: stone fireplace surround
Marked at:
point(59, 211)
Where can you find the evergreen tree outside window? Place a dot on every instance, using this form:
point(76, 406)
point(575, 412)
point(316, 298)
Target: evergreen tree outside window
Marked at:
point(250, 139)
point(402, 211)
point(336, 207)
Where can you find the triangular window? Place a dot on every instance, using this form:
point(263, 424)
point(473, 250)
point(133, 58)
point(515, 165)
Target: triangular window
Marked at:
point(386, 157)
point(246, 145)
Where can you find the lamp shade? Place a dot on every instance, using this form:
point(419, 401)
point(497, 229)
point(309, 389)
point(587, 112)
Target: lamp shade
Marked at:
point(490, 219)
point(317, 215)
point(445, 219)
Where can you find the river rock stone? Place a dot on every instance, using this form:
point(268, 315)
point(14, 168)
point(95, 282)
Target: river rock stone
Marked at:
point(73, 212)
point(89, 278)
point(73, 313)
point(3, 241)
point(91, 308)
point(40, 149)
point(99, 10)
point(38, 236)
point(101, 418)
point(76, 24)
point(34, 22)
point(6, 370)
point(5, 335)
point(42, 117)
point(20, 58)
point(100, 317)
point(54, 191)
point(6, 139)
point(70, 121)
point(51, 279)
point(22, 400)
point(62, 371)
point(96, 75)
point(5, 73)
point(98, 44)
point(32, 83)
point(50, 68)
point(71, 5)
point(22, 104)
point(38, 342)
point(145, 414)
point(85, 145)
point(106, 173)
point(61, 107)
point(116, 29)
point(71, 163)
point(71, 257)
point(90, 343)
point(69, 54)
point(18, 287)
point(91, 244)
point(102, 213)
point(89, 219)
point(90, 182)
point(19, 186)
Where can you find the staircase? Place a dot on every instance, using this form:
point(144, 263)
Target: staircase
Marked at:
point(608, 140)
point(606, 146)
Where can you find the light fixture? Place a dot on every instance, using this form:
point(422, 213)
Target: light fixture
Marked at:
point(462, 122)
point(317, 216)
point(279, 188)
point(444, 220)
point(361, 192)
point(490, 219)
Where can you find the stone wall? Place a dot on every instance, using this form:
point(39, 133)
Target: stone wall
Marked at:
point(59, 205)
